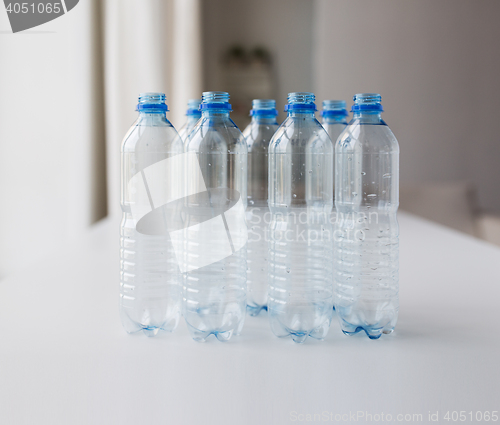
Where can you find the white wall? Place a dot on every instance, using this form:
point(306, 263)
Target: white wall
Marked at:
point(285, 27)
point(149, 45)
point(52, 175)
point(437, 66)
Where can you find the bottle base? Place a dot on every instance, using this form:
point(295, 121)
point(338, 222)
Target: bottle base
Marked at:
point(299, 336)
point(223, 336)
point(149, 330)
point(373, 332)
point(214, 319)
point(254, 310)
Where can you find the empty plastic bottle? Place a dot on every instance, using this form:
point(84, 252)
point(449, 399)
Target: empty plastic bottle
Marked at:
point(366, 237)
point(150, 279)
point(193, 114)
point(300, 243)
point(334, 117)
point(214, 295)
point(258, 134)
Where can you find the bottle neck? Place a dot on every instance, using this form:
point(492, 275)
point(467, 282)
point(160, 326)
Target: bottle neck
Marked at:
point(264, 119)
point(368, 117)
point(215, 113)
point(193, 119)
point(301, 114)
point(337, 119)
point(152, 117)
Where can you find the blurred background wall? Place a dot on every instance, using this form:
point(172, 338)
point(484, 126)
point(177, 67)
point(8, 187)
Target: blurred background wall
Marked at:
point(437, 66)
point(52, 151)
point(284, 27)
point(68, 90)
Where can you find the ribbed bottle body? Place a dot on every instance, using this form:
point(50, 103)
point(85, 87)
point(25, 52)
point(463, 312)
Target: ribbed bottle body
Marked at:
point(300, 233)
point(150, 290)
point(150, 278)
point(258, 135)
point(366, 282)
point(214, 292)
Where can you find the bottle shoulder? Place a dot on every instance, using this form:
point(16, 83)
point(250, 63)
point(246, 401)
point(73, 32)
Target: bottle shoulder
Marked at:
point(367, 137)
point(300, 134)
point(145, 137)
point(186, 130)
point(258, 136)
point(216, 134)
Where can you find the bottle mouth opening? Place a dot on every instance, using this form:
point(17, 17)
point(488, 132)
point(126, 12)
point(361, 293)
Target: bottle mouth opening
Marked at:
point(193, 107)
point(215, 97)
point(367, 102)
point(333, 105)
point(264, 107)
point(334, 108)
point(152, 101)
point(263, 104)
point(301, 98)
point(215, 100)
point(301, 101)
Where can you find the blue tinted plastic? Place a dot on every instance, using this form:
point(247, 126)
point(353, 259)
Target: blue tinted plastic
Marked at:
point(367, 102)
point(263, 107)
point(155, 102)
point(332, 108)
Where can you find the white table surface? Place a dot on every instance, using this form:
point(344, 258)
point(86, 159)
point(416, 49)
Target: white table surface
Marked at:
point(64, 358)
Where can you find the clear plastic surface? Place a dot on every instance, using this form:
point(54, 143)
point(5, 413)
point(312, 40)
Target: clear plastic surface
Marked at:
point(150, 278)
point(258, 135)
point(300, 244)
point(366, 282)
point(214, 293)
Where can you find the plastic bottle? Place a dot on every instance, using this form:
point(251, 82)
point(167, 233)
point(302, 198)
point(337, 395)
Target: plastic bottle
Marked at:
point(193, 114)
point(258, 134)
point(334, 118)
point(150, 279)
point(300, 244)
point(366, 281)
point(214, 295)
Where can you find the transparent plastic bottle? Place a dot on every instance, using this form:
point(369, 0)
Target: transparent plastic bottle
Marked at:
point(150, 279)
point(258, 134)
point(214, 295)
point(334, 117)
point(366, 282)
point(300, 288)
point(193, 114)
